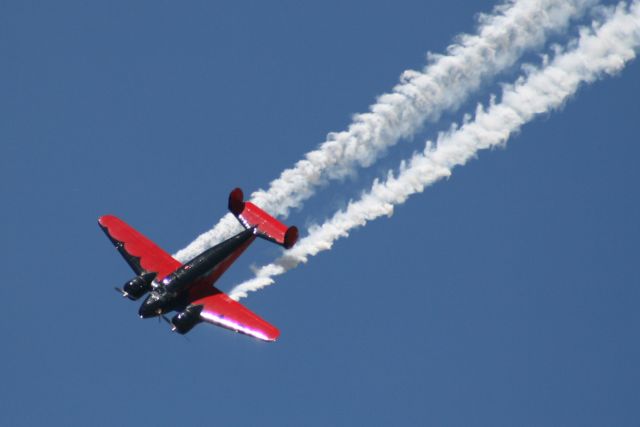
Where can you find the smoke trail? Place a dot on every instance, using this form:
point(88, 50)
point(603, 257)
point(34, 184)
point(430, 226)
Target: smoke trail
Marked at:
point(602, 49)
point(444, 84)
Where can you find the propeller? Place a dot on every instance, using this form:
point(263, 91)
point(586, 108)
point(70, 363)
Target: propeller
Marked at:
point(160, 315)
point(173, 328)
point(166, 319)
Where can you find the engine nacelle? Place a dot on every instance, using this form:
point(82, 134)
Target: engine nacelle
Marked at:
point(138, 286)
point(185, 321)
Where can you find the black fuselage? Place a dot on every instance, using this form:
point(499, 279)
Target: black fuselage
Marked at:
point(172, 292)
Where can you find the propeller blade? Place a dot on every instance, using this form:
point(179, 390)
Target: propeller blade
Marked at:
point(122, 292)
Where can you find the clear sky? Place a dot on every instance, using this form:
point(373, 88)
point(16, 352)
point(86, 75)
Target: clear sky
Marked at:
point(505, 295)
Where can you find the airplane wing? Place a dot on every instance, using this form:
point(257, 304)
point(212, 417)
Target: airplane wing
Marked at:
point(141, 254)
point(221, 310)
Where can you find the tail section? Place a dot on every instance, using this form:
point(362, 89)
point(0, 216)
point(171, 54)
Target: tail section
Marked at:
point(266, 226)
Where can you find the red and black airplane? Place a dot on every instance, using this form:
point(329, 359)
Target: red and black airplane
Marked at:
point(188, 288)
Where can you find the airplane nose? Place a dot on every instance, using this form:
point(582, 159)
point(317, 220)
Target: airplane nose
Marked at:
point(143, 312)
point(154, 305)
point(146, 310)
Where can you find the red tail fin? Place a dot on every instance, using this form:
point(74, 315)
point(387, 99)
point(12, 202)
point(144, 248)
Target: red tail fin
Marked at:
point(267, 226)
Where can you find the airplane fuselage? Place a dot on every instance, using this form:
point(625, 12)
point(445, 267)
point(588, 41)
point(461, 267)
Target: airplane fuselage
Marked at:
point(169, 285)
point(173, 292)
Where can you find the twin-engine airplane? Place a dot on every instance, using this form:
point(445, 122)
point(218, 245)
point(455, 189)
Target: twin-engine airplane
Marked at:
point(188, 288)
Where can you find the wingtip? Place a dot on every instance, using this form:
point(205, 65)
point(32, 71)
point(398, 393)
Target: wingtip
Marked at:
point(273, 335)
point(104, 219)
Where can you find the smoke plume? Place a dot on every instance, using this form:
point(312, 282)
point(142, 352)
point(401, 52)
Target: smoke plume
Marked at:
point(602, 49)
point(443, 85)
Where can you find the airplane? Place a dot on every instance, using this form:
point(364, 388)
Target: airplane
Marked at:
point(188, 288)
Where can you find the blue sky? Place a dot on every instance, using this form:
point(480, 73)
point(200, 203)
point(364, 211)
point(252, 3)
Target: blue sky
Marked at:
point(505, 295)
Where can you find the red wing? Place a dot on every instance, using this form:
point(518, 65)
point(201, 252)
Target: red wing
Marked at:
point(221, 310)
point(140, 253)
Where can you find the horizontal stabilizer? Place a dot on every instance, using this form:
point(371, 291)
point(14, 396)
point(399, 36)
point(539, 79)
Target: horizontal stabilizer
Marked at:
point(266, 226)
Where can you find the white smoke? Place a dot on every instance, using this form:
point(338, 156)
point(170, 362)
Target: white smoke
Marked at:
point(445, 83)
point(603, 49)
